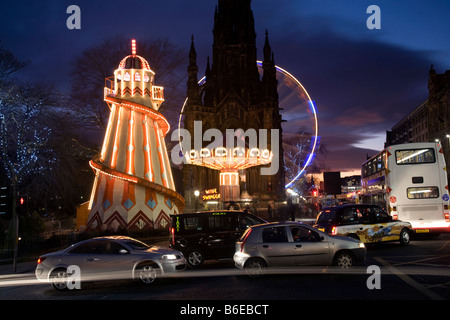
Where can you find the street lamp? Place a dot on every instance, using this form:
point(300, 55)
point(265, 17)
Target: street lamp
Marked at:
point(196, 194)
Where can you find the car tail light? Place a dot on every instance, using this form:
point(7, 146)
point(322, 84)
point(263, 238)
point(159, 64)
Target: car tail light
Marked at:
point(245, 239)
point(172, 232)
point(40, 260)
point(447, 217)
point(333, 231)
point(395, 217)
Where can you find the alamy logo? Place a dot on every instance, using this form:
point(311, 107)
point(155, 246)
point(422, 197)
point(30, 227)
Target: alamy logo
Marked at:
point(374, 20)
point(374, 280)
point(236, 141)
point(74, 20)
point(73, 277)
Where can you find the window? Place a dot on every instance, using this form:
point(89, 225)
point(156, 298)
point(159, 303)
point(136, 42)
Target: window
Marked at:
point(146, 78)
point(193, 224)
point(415, 156)
point(365, 215)
point(380, 215)
point(422, 192)
point(349, 216)
point(327, 216)
point(90, 247)
point(126, 77)
point(275, 234)
point(220, 222)
point(301, 234)
point(136, 245)
point(98, 247)
point(137, 76)
point(246, 221)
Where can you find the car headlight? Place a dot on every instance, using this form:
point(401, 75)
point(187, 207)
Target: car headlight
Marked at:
point(170, 257)
point(361, 245)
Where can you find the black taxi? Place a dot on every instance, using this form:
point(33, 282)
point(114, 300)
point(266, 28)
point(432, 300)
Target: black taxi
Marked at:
point(209, 235)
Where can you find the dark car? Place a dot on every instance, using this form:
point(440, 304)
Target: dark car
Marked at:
point(368, 223)
point(209, 235)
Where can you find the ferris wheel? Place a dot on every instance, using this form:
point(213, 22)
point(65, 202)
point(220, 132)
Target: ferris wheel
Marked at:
point(299, 111)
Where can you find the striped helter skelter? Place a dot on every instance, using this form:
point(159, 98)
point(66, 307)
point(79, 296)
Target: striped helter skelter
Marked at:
point(134, 186)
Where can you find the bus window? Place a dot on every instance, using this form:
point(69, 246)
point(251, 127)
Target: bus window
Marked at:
point(423, 192)
point(414, 156)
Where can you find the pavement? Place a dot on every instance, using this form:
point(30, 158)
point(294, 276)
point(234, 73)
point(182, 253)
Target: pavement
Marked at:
point(6, 268)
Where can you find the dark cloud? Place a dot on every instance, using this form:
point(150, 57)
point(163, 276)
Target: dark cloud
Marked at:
point(360, 86)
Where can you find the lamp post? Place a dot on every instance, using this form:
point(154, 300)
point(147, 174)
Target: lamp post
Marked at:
point(196, 194)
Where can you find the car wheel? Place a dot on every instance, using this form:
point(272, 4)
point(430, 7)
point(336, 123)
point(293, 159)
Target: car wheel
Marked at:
point(59, 278)
point(147, 273)
point(344, 260)
point(405, 237)
point(255, 268)
point(195, 258)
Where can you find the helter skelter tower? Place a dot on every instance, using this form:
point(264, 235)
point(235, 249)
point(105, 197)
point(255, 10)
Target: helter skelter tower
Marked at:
point(133, 187)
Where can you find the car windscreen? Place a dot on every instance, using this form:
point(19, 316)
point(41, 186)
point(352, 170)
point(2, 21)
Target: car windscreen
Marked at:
point(136, 245)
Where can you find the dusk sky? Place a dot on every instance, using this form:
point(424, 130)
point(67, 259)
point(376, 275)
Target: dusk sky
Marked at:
point(362, 81)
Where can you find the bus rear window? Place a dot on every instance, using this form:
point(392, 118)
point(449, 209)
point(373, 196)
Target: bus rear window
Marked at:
point(415, 156)
point(422, 192)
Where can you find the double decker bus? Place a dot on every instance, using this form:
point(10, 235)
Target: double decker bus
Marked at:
point(410, 182)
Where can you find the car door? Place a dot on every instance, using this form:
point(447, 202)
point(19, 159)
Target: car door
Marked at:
point(276, 248)
point(102, 259)
point(389, 230)
point(309, 248)
point(222, 234)
point(348, 221)
point(372, 231)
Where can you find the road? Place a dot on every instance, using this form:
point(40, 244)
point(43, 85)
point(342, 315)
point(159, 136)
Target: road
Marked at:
point(420, 271)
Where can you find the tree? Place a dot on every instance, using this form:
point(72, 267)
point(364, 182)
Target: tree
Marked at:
point(9, 64)
point(23, 133)
point(297, 148)
point(96, 63)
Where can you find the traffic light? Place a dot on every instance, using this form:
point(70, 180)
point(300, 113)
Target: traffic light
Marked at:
point(22, 205)
point(5, 202)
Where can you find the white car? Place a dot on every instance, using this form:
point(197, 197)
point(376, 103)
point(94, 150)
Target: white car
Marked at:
point(107, 258)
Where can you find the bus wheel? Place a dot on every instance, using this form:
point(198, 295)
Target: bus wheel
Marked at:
point(405, 237)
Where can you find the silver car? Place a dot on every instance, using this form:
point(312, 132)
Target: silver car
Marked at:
point(107, 258)
point(289, 244)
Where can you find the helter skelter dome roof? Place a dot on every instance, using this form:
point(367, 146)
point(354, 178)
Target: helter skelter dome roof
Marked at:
point(133, 61)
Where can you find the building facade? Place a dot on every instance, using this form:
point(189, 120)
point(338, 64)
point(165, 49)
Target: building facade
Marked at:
point(430, 121)
point(234, 96)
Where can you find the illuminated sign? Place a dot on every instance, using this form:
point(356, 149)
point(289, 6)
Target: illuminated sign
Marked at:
point(211, 194)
